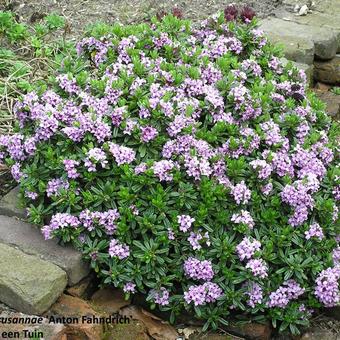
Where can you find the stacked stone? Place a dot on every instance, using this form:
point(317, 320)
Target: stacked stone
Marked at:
point(33, 272)
point(311, 39)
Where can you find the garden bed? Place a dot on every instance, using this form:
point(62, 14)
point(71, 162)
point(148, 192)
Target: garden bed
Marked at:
point(161, 205)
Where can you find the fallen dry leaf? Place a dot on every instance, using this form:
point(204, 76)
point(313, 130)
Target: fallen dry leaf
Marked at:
point(109, 300)
point(3, 167)
point(158, 329)
point(189, 331)
point(151, 315)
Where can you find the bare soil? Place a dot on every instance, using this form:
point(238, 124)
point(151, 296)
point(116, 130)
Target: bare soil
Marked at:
point(80, 13)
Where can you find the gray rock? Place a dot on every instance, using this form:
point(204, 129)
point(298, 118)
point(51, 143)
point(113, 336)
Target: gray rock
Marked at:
point(327, 15)
point(290, 3)
point(29, 239)
point(328, 71)
point(5, 308)
point(27, 283)
point(297, 49)
point(324, 39)
point(329, 6)
point(9, 205)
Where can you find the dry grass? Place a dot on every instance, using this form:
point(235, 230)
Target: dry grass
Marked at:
point(18, 67)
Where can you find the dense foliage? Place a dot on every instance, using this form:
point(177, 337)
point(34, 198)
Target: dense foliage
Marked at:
point(187, 163)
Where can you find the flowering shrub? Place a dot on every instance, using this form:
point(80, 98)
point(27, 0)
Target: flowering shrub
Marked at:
point(188, 164)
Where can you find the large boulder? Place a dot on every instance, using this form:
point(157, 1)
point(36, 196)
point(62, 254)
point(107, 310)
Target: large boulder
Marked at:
point(297, 49)
point(324, 38)
point(9, 205)
point(328, 71)
point(27, 283)
point(30, 240)
point(326, 14)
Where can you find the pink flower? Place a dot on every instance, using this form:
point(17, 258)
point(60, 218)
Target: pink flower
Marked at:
point(148, 134)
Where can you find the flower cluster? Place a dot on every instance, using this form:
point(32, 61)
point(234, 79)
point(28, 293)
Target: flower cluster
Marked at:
point(247, 248)
point(162, 168)
point(327, 286)
point(263, 168)
point(241, 193)
point(94, 156)
point(71, 168)
point(161, 296)
point(196, 239)
point(203, 294)
point(90, 220)
point(243, 217)
point(122, 154)
point(290, 290)
point(314, 231)
point(198, 270)
point(258, 267)
point(336, 256)
point(118, 249)
point(129, 287)
point(255, 294)
point(59, 221)
point(55, 185)
point(298, 196)
point(185, 222)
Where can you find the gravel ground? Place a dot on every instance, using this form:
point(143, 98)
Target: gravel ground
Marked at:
point(80, 13)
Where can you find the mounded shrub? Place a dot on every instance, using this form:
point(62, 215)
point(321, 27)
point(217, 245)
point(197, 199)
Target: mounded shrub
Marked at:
point(189, 164)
